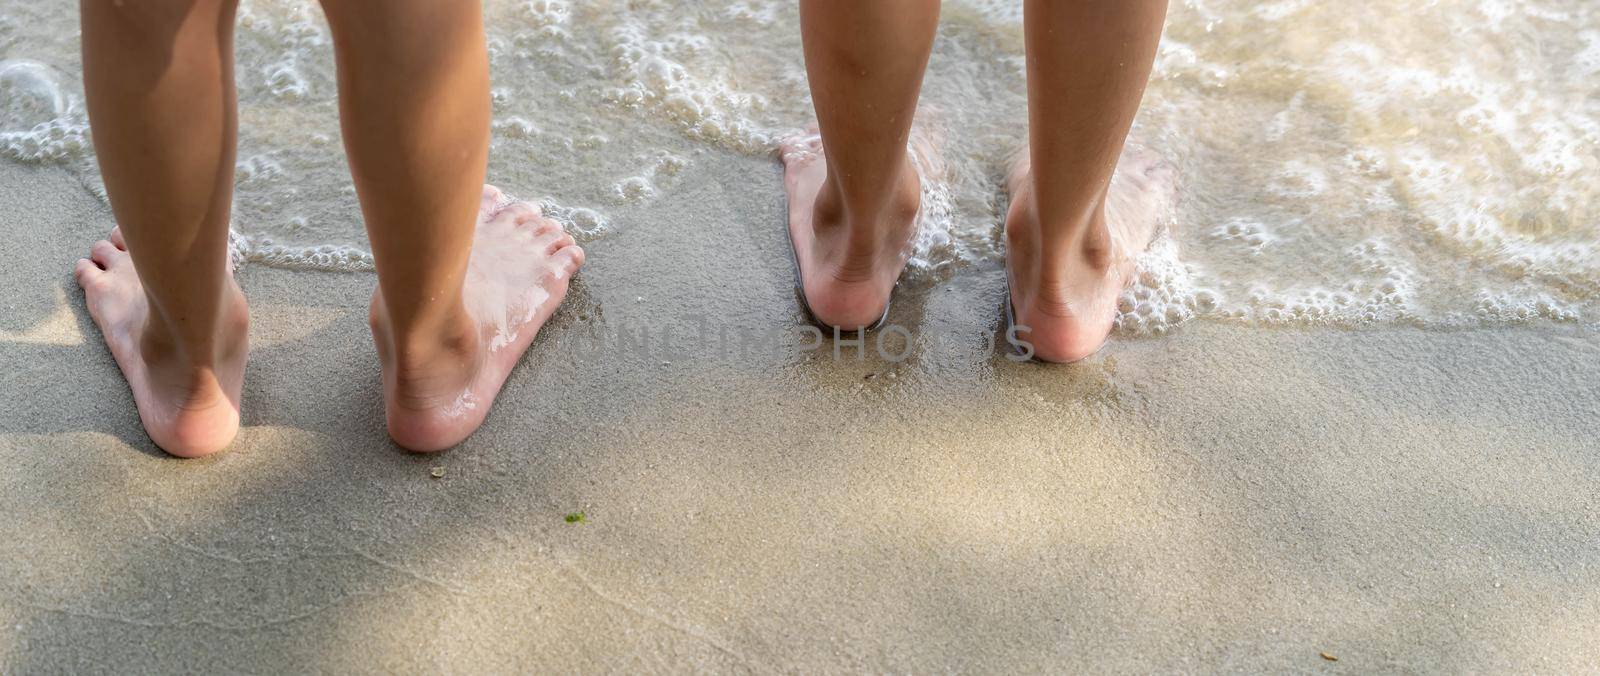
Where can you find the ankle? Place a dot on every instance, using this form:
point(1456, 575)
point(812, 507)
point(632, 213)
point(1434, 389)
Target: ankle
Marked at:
point(874, 222)
point(1061, 243)
point(163, 343)
point(434, 355)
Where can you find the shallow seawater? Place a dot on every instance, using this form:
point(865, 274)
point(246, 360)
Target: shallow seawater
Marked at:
point(1433, 163)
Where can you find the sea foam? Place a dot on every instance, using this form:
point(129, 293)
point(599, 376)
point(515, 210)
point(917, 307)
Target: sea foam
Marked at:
point(1339, 164)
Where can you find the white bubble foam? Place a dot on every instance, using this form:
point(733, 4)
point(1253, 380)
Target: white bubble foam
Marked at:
point(650, 71)
point(583, 223)
point(39, 122)
point(1253, 235)
point(1346, 164)
point(1163, 293)
point(257, 168)
point(634, 189)
point(264, 250)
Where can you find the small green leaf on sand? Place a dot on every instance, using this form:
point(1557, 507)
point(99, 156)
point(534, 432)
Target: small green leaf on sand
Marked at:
point(437, 472)
point(1328, 657)
point(575, 517)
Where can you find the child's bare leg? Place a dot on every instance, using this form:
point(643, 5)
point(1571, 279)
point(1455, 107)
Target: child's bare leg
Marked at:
point(462, 286)
point(1074, 229)
point(159, 79)
point(853, 194)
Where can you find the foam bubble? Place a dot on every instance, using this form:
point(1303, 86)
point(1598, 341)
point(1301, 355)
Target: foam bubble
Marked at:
point(651, 70)
point(257, 168)
point(516, 127)
point(1163, 293)
point(39, 122)
point(1502, 307)
point(584, 223)
point(1252, 234)
point(549, 13)
point(244, 248)
point(634, 189)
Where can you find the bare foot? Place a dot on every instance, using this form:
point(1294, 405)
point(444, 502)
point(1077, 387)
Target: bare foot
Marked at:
point(1066, 300)
point(189, 406)
point(847, 270)
point(518, 273)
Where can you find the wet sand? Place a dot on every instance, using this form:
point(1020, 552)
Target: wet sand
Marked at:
point(1222, 498)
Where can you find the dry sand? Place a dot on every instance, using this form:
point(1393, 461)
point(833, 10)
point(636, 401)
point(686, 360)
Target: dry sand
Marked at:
point(1220, 499)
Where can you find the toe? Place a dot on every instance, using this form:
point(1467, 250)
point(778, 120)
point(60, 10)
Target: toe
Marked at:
point(518, 212)
point(117, 240)
point(801, 147)
point(549, 241)
point(491, 200)
point(86, 272)
point(107, 255)
point(567, 260)
point(545, 227)
point(561, 241)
